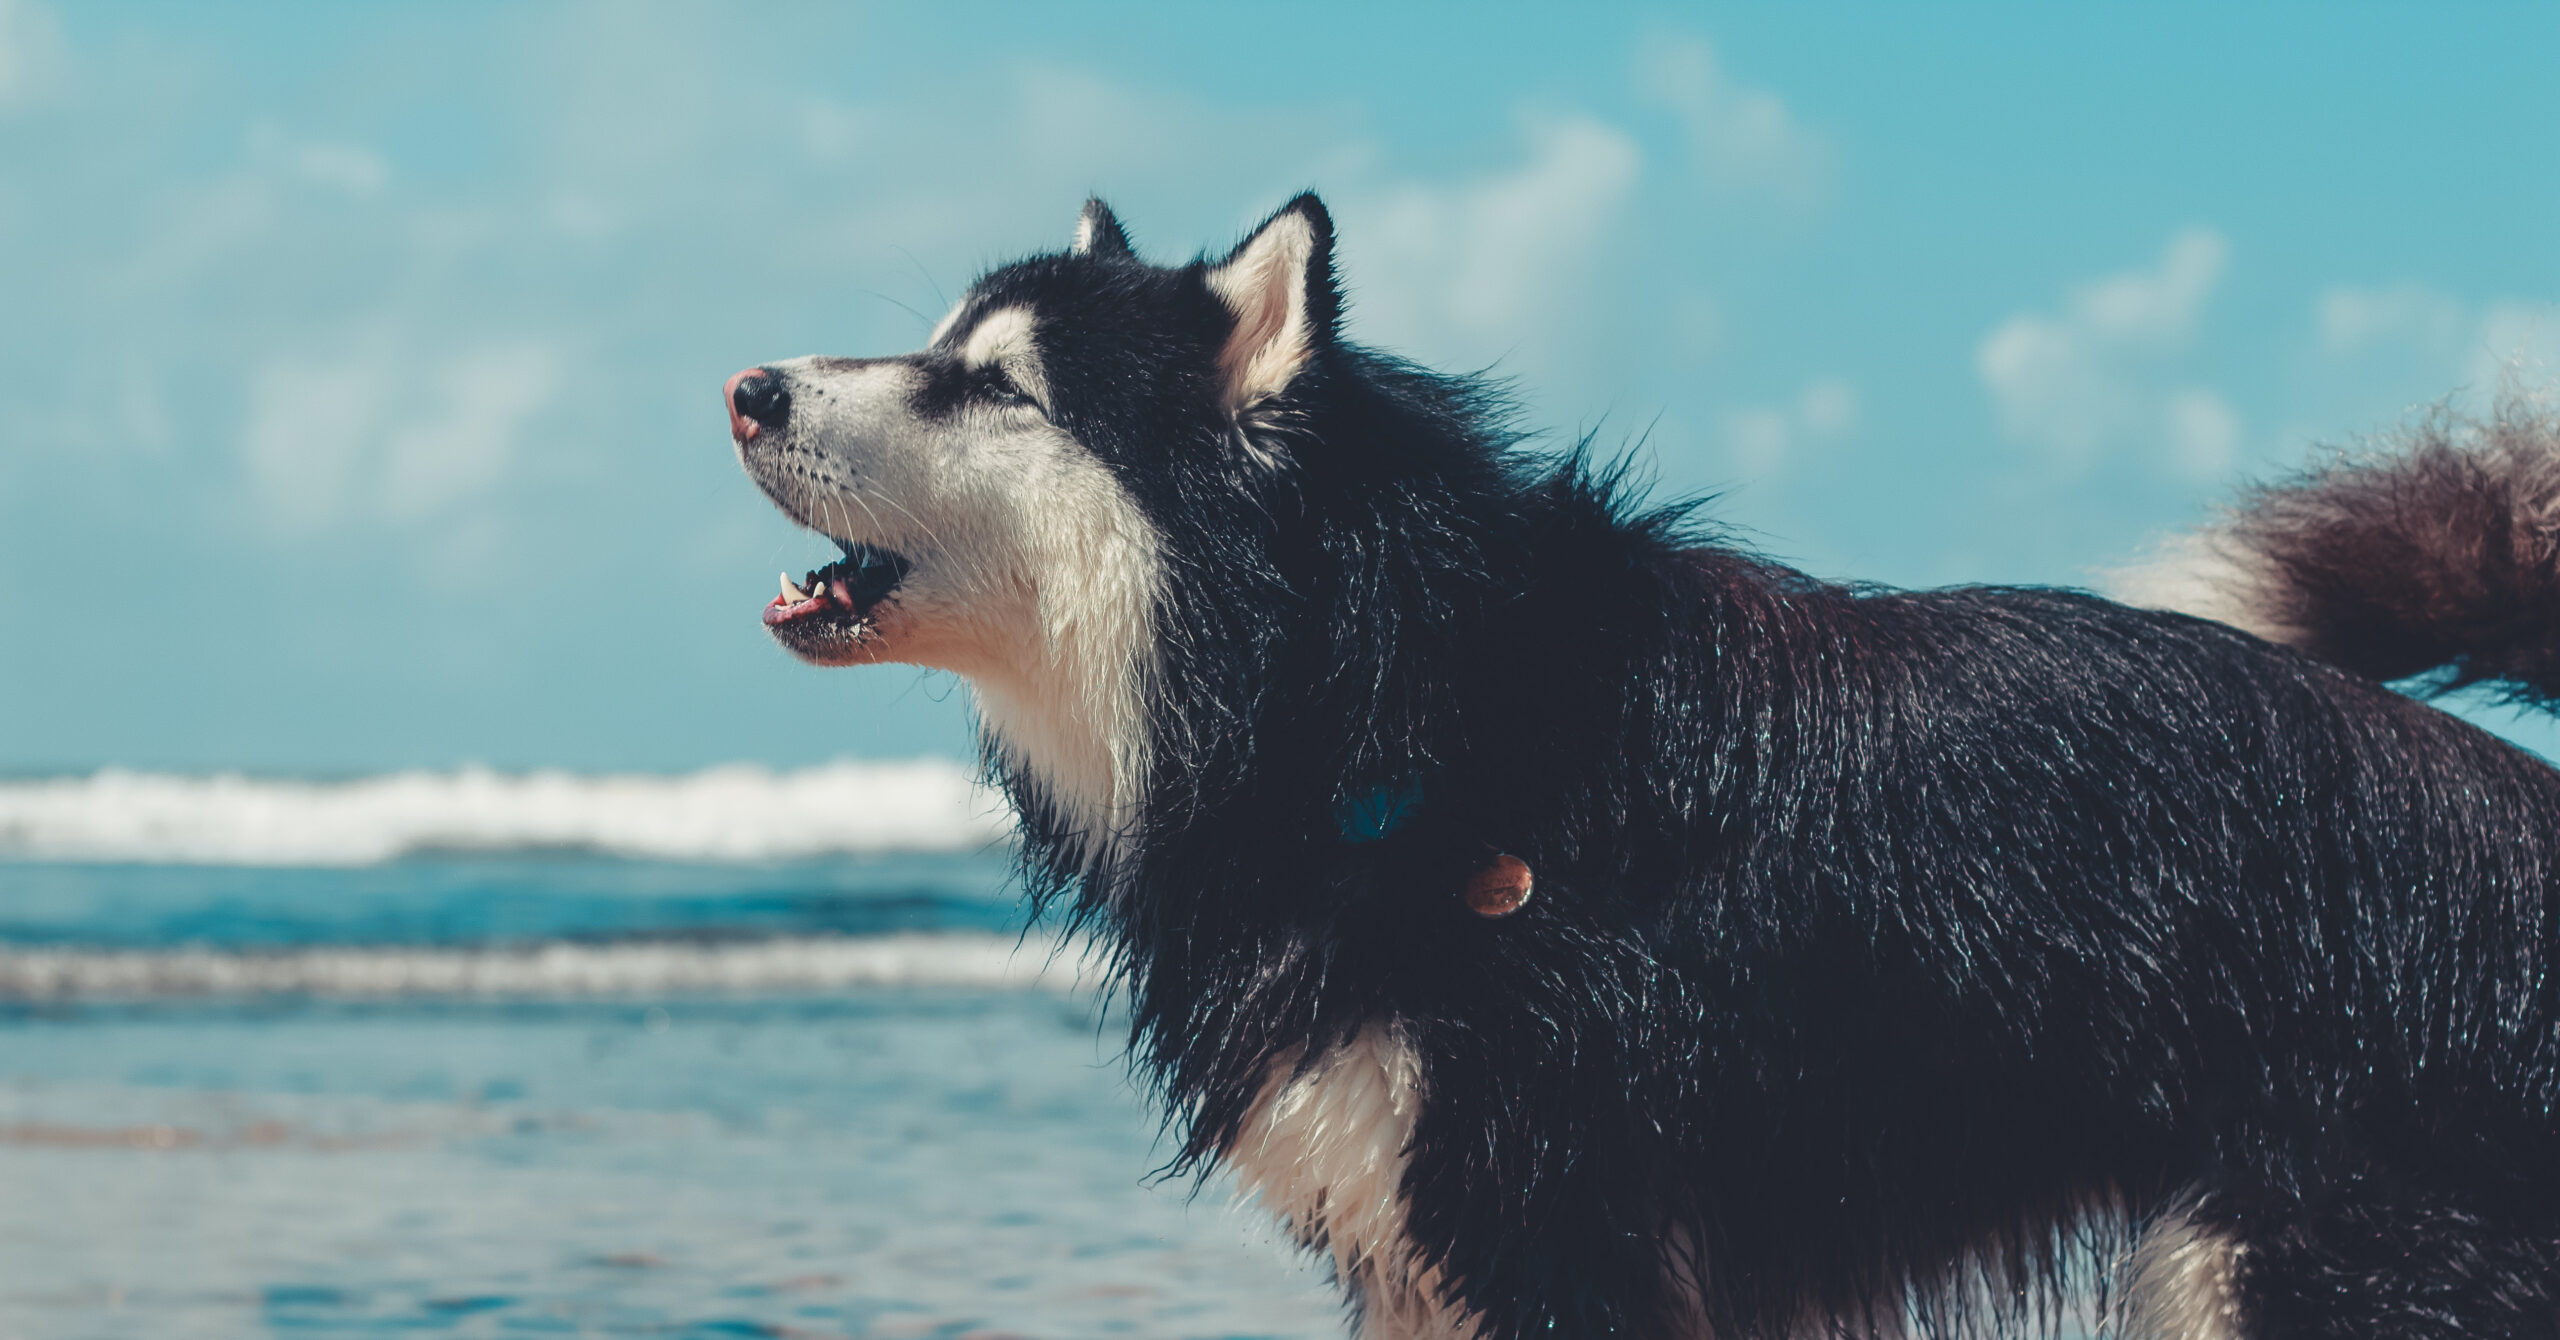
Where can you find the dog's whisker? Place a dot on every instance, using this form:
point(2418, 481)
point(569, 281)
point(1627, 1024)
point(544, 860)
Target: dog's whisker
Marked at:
point(888, 501)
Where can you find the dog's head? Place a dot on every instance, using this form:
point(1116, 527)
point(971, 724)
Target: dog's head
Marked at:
point(1003, 497)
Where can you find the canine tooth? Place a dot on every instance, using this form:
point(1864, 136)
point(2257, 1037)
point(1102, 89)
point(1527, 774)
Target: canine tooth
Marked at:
point(797, 595)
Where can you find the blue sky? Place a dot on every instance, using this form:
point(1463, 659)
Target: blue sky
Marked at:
point(359, 364)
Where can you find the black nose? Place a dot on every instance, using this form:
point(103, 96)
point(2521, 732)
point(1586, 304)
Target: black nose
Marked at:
point(759, 396)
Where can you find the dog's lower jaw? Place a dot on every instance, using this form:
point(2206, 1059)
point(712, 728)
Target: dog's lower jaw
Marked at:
point(877, 640)
point(1324, 1148)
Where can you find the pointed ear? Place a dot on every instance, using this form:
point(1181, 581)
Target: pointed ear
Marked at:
point(1099, 234)
point(1279, 286)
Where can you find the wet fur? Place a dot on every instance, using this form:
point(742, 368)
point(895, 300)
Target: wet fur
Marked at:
point(1877, 933)
point(1893, 953)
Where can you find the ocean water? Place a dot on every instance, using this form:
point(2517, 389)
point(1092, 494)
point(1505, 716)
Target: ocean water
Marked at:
point(485, 1055)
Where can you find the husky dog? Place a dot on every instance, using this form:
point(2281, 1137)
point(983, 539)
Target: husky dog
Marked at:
point(1864, 962)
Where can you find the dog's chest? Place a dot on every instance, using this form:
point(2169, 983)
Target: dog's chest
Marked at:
point(1324, 1147)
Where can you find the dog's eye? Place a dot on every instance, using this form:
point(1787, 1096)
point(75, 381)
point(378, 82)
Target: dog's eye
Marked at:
point(1002, 390)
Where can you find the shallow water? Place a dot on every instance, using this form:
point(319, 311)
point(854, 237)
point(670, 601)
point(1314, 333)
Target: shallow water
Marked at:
point(888, 1163)
point(596, 1156)
point(500, 898)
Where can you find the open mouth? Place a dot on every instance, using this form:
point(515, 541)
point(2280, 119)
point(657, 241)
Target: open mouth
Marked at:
point(844, 592)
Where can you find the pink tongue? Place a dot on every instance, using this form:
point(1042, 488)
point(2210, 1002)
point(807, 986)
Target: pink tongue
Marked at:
point(783, 611)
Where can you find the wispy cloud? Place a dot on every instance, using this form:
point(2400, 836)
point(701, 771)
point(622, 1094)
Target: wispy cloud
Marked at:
point(33, 58)
point(377, 434)
point(1740, 139)
point(340, 165)
point(2100, 373)
point(1763, 440)
point(637, 180)
point(2353, 321)
point(2424, 342)
point(1465, 268)
point(255, 204)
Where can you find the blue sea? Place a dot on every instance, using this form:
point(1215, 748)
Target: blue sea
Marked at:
point(489, 1054)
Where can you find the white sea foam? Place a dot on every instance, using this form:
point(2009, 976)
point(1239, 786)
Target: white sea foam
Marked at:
point(554, 969)
point(740, 812)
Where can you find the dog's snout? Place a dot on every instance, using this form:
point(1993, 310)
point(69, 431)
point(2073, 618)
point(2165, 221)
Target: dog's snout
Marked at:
point(757, 400)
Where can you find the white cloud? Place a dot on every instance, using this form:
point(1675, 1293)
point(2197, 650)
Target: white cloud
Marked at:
point(2423, 342)
point(1470, 268)
point(351, 168)
point(373, 435)
point(2159, 307)
point(32, 52)
point(1759, 439)
point(2355, 320)
point(1763, 440)
point(246, 207)
point(309, 421)
point(2095, 376)
point(832, 132)
point(2204, 432)
point(1740, 139)
point(1828, 406)
point(198, 226)
point(480, 402)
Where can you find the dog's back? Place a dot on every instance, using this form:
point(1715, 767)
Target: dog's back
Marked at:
point(1997, 916)
point(2134, 902)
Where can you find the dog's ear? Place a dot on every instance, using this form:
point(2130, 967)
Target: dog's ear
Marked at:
point(1099, 234)
point(1279, 286)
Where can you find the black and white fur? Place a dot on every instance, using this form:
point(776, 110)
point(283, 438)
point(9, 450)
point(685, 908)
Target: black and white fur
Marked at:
point(1897, 959)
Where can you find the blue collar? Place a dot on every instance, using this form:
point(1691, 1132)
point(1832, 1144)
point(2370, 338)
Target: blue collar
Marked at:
point(1378, 812)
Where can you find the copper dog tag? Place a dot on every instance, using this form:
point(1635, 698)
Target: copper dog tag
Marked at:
point(1499, 889)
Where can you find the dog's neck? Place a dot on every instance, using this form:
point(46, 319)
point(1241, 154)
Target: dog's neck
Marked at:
point(1075, 751)
point(1063, 720)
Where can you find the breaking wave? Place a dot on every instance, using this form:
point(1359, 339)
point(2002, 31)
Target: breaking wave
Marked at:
point(735, 813)
point(551, 970)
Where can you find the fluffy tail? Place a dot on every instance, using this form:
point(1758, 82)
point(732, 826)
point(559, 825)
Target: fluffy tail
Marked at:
point(2434, 551)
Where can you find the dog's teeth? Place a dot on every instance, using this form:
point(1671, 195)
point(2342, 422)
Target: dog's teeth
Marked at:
point(797, 595)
